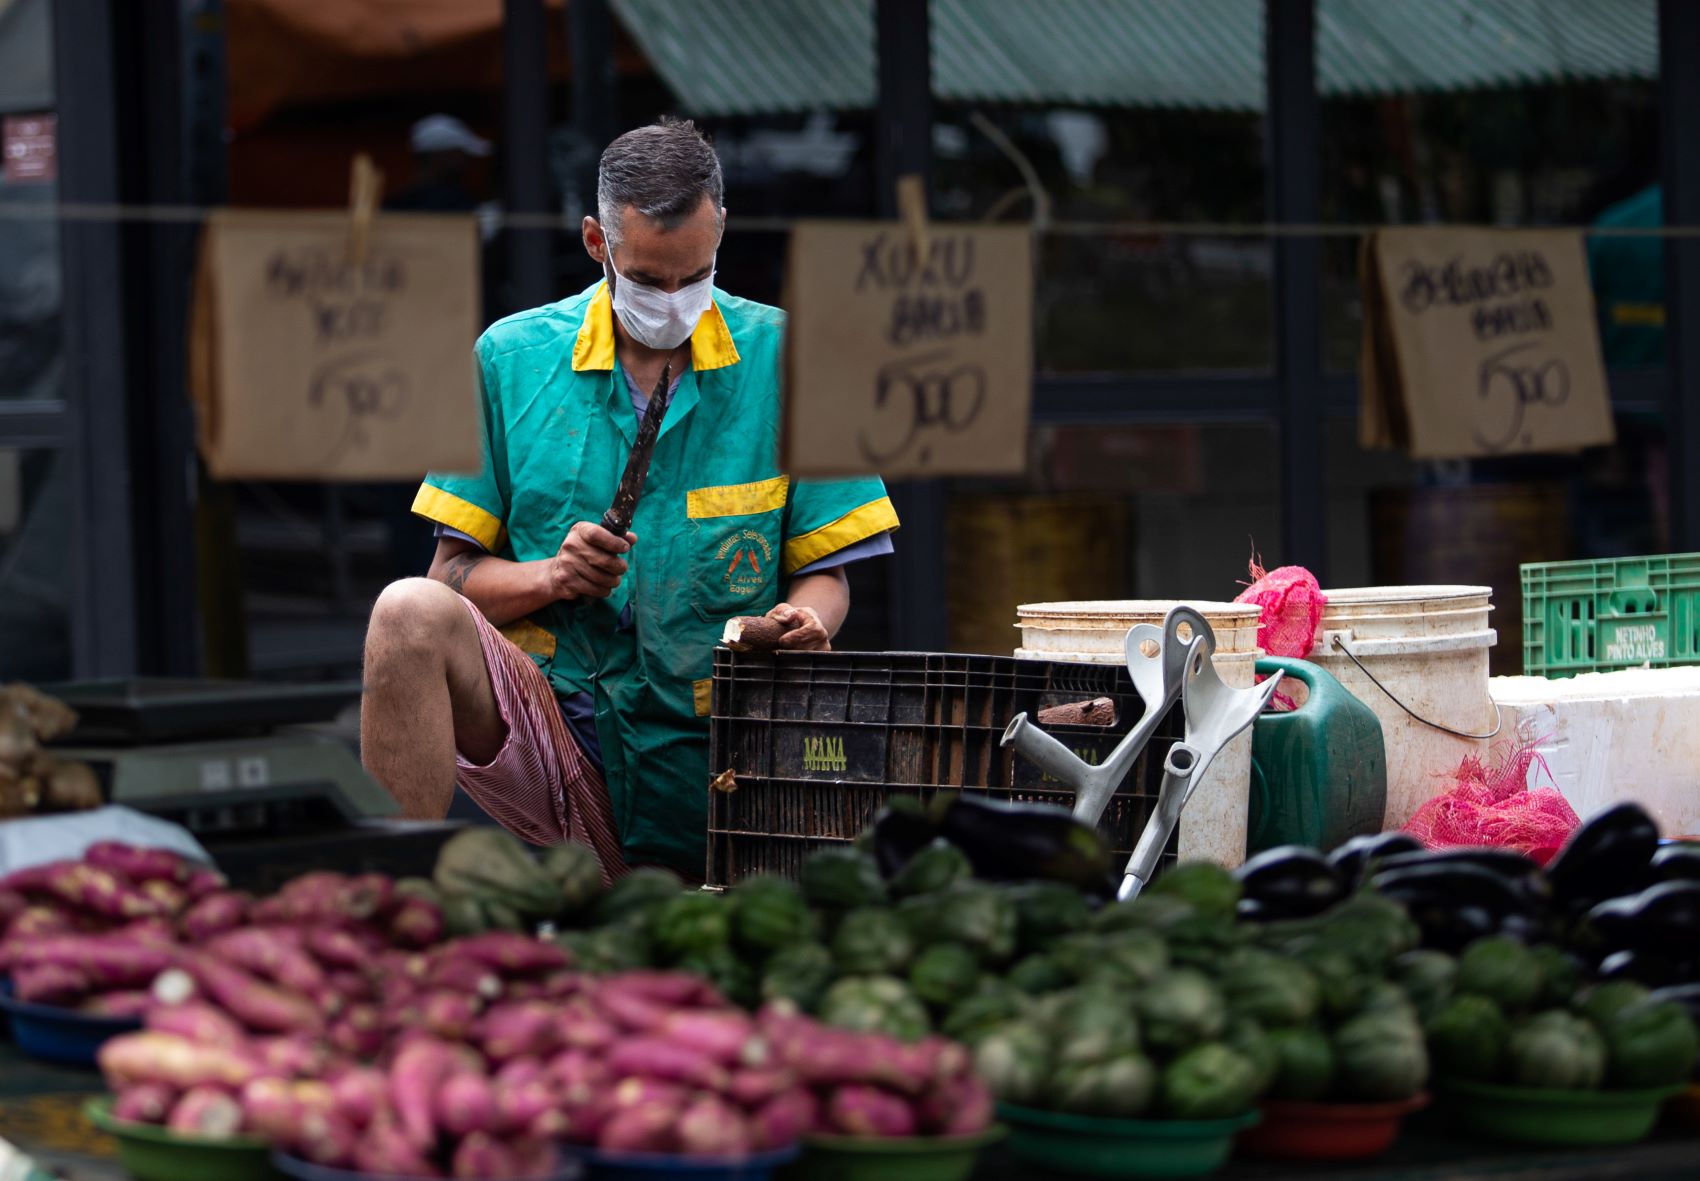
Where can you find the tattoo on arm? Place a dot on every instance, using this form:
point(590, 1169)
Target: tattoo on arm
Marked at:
point(458, 569)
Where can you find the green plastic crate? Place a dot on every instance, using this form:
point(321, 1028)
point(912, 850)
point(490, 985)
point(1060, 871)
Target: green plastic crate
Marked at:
point(1595, 616)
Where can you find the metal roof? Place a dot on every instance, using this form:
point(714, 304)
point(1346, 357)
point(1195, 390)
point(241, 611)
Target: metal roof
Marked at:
point(763, 56)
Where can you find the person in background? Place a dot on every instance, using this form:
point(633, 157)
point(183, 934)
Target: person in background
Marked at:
point(560, 673)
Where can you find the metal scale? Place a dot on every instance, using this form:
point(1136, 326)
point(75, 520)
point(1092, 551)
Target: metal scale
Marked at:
point(225, 759)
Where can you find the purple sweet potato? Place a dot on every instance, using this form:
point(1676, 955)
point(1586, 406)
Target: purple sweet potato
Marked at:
point(520, 1070)
point(12, 904)
point(784, 1119)
point(152, 1057)
point(754, 1088)
point(385, 1151)
point(354, 988)
point(509, 1030)
point(144, 1103)
point(639, 1129)
point(653, 1057)
point(336, 948)
point(325, 1138)
point(632, 1013)
point(109, 962)
point(127, 1004)
point(39, 921)
point(449, 1015)
point(270, 1109)
point(577, 1076)
point(99, 891)
point(466, 1103)
point(213, 914)
point(359, 1032)
point(295, 1056)
point(870, 1111)
point(50, 983)
point(257, 1005)
point(481, 1157)
point(961, 1106)
point(562, 985)
point(198, 1022)
point(468, 976)
point(648, 1092)
point(137, 864)
point(367, 895)
point(157, 931)
point(672, 989)
point(727, 1037)
point(271, 954)
point(511, 953)
point(419, 1069)
point(202, 881)
point(34, 879)
point(169, 897)
point(362, 1094)
point(208, 1112)
point(417, 922)
point(521, 1105)
point(712, 1127)
point(580, 1026)
point(822, 1056)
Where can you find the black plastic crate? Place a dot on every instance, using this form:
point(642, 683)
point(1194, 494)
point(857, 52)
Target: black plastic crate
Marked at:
point(818, 741)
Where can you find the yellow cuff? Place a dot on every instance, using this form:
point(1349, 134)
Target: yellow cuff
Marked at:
point(445, 508)
point(857, 525)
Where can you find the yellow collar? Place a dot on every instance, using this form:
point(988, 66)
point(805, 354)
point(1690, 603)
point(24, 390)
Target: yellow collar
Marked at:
point(711, 340)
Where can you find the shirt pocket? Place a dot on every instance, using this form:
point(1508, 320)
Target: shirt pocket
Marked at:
point(735, 546)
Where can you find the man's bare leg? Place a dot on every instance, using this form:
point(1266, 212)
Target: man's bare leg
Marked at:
point(426, 692)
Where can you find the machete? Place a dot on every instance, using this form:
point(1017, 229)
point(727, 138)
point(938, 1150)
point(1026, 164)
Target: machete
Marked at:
point(618, 519)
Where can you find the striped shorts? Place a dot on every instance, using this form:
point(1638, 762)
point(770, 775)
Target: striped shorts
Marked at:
point(540, 785)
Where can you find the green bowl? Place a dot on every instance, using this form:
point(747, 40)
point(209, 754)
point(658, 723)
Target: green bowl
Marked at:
point(1091, 1146)
point(903, 1158)
point(1532, 1115)
point(150, 1153)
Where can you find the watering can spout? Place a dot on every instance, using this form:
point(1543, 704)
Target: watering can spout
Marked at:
point(1039, 748)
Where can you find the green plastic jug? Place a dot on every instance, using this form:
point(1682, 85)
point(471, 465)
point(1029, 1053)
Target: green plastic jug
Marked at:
point(1319, 772)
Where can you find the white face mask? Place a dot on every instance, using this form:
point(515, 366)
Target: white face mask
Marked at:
point(660, 319)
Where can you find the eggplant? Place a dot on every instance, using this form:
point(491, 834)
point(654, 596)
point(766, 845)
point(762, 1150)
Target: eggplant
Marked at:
point(1446, 925)
point(1687, 995)
point(1507, 863)
point(902, 829)
point(1354, 860)
point(1644, 967)
point(1675, 863)
point(1291, 881)
point(1467, 885)
point(1659, 919)
point(1007, 842)
point(1606, 858)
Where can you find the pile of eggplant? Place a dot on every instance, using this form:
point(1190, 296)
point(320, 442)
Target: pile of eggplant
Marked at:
point(1623, 903)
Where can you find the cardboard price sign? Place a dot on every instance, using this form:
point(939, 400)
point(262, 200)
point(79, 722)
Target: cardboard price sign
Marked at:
point(903, 363)
point(1480, 342)
point(310, 360)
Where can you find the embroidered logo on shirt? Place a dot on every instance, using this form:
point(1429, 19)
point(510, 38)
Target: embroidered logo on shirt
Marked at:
point(744, 555)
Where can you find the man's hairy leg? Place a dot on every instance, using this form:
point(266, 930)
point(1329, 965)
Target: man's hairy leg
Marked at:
point(426, 691)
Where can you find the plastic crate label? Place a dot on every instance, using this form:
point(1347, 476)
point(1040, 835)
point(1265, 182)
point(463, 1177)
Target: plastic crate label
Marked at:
point(838, 753)
point(825, 754)
point(1627, 643)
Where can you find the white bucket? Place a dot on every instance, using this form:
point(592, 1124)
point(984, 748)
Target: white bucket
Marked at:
point(1063, 631)
point(1428, 646)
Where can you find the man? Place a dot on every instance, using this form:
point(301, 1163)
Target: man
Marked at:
point(544, 656)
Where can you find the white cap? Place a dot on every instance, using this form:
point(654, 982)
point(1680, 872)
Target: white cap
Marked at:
point(445, 133)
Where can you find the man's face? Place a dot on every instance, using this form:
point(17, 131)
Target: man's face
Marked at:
point(655, 256)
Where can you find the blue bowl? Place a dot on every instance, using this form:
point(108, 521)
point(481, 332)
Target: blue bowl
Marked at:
point(60, 1035)
point(652, 1166)
point(572, 1169)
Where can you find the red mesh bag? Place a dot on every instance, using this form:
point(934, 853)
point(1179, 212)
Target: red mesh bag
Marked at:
point(1490, 803)
point(1291, 602)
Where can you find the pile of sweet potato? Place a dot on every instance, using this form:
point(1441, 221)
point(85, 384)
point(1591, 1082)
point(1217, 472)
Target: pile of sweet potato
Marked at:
point(32, 778)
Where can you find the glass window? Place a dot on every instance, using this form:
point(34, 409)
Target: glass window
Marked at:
point(35, 574)
point(30, 349)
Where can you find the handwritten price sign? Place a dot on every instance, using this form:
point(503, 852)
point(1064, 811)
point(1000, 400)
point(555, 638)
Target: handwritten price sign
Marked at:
point(310, 364)
point(1480, 343)
point(906, 363)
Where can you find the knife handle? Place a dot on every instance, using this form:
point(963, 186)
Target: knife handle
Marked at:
point(611, 521)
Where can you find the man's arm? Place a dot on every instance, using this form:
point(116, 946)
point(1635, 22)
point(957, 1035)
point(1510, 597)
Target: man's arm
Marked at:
point(588, 565)
point(814, 610)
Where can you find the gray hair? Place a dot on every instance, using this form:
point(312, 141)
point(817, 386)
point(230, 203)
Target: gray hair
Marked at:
point(663, 171)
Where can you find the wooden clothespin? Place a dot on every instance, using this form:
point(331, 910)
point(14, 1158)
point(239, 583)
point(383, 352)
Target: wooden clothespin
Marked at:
point(912, 210)
point(365, 189)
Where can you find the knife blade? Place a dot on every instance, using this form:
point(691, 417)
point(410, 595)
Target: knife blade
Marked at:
point(618, 519)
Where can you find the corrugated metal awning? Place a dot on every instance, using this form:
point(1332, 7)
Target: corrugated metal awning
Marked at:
point(734, 57)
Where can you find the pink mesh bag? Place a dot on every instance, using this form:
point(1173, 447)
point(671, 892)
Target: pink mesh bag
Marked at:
point(1490, 803)
point(1291, 603)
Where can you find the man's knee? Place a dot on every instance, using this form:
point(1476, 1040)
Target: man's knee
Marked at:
point(412, 617)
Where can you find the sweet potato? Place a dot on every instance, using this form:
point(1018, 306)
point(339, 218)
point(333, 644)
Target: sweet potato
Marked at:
point(520, 1070)
point(208, 1112)
point(580, 1027)
point(153, 1057)
point(727, 1037)
point(417, 922)
point(419, 1068)
point(35, 922)
point(449, 1015)
point(673, 989)
point(108, 961)
point(822, 1056)
point(34, 879)
point(213, 914)
point(754, 1088)
point(358, 1033)
point(50, 983)
point(144, 1103)
point(712, 1127)
point(784, 1119)
point(353, 987)
point(100, 891)
point(384, 1151)
point(202, 881)
point(198, 1022)
point(481, 1157)
point(961, 1106)
point(147, 931)
point(652, 1057)
point(325, 1138)
point(125, 1005)
point(519, 1106)
point(318, 897)
point(269, 954)
point(255, 1004)
point(639, 1129)
point(576, 1076)
point(511, 953)
point(270, 1109)
point(294, 1056)
point(337, 949)
point(169, 897)
point(367, 895)
point(525, 1028)
point(12, 904)
point(466, 1103)
point(396, 961)
point(632, 1013)
point(752, 633)
point(869, 1111)
point(468, 976)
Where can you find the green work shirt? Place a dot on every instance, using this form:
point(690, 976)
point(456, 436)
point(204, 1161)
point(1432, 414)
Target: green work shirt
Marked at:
point(719, 528)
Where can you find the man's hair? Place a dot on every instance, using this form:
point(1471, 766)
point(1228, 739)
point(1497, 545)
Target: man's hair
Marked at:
point(663, 171)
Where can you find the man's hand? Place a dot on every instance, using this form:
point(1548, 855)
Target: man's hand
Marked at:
point(588, 564)
point(804, 630)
